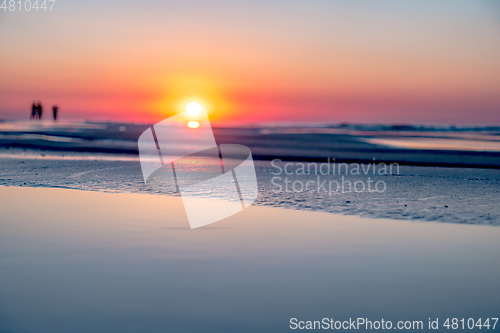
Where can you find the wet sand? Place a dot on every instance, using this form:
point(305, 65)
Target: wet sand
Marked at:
point(81, 261)
point(456, 195)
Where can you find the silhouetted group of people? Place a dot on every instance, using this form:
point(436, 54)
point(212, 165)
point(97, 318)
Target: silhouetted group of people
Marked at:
point(37, 110)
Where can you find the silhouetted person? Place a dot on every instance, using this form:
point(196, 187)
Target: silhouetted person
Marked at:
point(34, 110)
point(55, 108)
point(40, 110)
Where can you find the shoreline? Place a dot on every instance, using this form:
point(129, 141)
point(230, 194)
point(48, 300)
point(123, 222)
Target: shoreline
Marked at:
point(455, 195)
point(449, 146)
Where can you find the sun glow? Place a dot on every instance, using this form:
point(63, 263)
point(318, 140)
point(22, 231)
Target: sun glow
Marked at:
point(193, 108)
point(193, 124)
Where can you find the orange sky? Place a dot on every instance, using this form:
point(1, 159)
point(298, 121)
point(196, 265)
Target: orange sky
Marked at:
point(382, 61)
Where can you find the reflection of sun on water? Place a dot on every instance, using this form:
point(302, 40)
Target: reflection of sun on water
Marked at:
point(193, 124)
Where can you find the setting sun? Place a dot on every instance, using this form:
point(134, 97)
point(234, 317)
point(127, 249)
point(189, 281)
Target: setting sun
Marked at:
point(193, 109)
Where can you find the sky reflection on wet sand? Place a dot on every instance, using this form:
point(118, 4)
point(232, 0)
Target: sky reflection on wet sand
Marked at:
point(87, 261)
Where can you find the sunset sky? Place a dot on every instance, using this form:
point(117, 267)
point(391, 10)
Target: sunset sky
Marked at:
point(256, 61)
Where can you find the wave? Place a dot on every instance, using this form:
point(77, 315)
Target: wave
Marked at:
point(406, 144)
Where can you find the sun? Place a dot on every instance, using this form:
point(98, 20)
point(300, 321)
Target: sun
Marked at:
point(193, 108)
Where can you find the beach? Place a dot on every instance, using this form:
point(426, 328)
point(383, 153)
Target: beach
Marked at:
point(420, 193)
point(422, 173)
point(88, 245)
point(84, 261)
point(249, 166)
